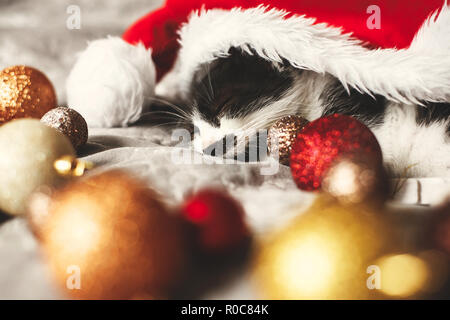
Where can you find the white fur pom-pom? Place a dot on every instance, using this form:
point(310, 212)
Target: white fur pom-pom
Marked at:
point(110, 82)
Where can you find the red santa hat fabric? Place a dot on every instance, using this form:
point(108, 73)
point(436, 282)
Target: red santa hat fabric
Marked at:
point(400, 21)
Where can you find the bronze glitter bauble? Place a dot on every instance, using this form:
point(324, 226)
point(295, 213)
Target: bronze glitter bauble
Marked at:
point(108, 236)
point(323, 254)
point(24, 93)
point(68, 122)
point(282, 135)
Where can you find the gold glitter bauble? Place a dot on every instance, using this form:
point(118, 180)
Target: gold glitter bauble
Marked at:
point(281, 137)
point(111, 236)
point(28, 150)
point(24, 93)
point(324, 254)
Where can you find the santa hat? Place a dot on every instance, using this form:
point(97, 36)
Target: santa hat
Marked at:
point(399, 49)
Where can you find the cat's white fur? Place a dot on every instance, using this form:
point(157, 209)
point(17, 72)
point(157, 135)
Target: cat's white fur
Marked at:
point(410, 149)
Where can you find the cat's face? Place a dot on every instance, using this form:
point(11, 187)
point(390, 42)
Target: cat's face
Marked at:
point(241, 94)
point(237, 95)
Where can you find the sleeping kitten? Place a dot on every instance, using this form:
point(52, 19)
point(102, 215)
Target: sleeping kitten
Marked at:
point(241, 92)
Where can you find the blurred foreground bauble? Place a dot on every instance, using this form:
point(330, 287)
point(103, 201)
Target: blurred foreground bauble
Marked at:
point(109, 237)
point(25, 93)
point(28, 150)
point(217, 220)
point(323, 254)
point(68, 122)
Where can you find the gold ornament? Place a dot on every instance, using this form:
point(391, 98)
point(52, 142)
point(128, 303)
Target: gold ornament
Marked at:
point(406, 275)
point(353, 181)
point(116, 238)
point(24, 93)
point(281, 137)
point(28, 150)
point(69, 166)
point(324, 254)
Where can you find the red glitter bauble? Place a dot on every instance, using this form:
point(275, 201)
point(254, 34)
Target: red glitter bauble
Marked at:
point(218, 220)
point(323, 141)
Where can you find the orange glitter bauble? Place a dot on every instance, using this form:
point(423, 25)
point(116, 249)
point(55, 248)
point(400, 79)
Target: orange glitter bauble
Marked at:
point(109, 237)
point(24, 93)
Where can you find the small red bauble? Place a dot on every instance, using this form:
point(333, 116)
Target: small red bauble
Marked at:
point(218, 220)
point(323, 141)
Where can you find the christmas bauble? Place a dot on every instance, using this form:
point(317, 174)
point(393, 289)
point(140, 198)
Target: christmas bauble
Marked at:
point(218, 220)
point(28, 150)
point(281, 137)
point(324, 140)
point(354, 180)
point(402, 275)
point(68, 122)
point(25, 93)
point(324, 254)
point(112, 236)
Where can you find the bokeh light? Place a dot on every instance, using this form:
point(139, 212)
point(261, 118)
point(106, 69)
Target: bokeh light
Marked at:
point(312, 260)
point(403, 275)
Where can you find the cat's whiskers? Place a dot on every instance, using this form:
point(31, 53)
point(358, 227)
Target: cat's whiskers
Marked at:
point(172, 105)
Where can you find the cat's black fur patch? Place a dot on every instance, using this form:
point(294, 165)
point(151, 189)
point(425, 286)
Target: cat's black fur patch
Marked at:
point(433, 112)
point(367, 109)
point(237, 85)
